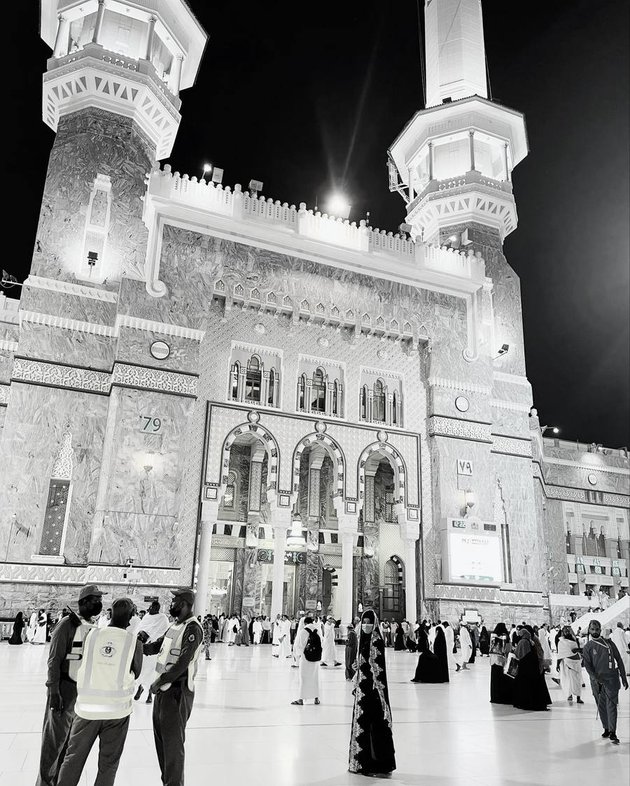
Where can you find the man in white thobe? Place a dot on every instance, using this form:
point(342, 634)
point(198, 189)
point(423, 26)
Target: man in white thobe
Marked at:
point(449, 635)
point(309, 670)
point(329, 657)
point(257, 629)
point(431, 634)
point(154, 624)
point(285, 637)
point(465, 648)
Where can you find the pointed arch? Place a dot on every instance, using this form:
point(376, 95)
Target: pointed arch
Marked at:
point(335, 453)
point(396, 462)
point(263, 435)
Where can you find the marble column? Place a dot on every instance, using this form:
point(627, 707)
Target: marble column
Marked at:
point(149, 50)
point(348, 534)
point(410, 533)
point(176, 75)
point(505, 162)
point(209, 515)
point(471, 145)
point(61, 40)
point(430, 160)
point(96, 38)
point(281, 523)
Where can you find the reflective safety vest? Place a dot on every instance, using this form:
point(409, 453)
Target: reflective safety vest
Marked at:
point(105, 683)
point(172, 647)
point(75, 655)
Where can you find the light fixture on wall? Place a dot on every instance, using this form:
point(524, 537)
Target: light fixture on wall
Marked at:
point(295, 538)
point(469, 501)
point(554, 429)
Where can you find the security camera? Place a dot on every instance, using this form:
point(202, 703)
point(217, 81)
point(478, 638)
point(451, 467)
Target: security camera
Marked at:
point(502, 351)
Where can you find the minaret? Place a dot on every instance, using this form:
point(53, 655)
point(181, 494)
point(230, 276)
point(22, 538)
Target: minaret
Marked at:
point(453, 161)
point(111, 94)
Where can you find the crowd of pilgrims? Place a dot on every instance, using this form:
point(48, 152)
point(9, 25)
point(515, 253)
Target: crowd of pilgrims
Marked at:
point(520, 658)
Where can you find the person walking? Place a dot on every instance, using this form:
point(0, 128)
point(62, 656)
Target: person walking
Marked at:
point(621, 642)
point(105, 685)
point(154, 625)
point(352, 643)
point(501, 686)
point(18, 627)
point(307, 650)
point(206, 626)
point(174, 689)
point(64, 658)
point(465, 648)
point(604, 666)
point(329, 656)
point(570, 665)
point(257, 629)
point(41, 627)
point(484, 642)
point(371, 740)
point(530, 689)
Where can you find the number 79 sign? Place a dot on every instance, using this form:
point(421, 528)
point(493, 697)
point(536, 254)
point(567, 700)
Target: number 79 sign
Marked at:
point(149, 425)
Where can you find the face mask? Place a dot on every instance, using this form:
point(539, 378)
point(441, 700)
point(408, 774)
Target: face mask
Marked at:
point(367, 627)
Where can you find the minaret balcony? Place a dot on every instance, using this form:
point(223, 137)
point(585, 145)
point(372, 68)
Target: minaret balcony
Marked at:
point(97, 77)
point(470, 197)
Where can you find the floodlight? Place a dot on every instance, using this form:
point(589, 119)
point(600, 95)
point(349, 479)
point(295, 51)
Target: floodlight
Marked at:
point(207, 168)
point(338, 206)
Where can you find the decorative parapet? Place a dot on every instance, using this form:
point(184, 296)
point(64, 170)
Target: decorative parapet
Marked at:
point(67, 288)
point(512, 446)
point(156, 379)
point(102, 575)
point(169, 191)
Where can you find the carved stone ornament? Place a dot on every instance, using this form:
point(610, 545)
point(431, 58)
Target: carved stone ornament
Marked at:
point(253, 416)
point(259, 328)
point(382, 436)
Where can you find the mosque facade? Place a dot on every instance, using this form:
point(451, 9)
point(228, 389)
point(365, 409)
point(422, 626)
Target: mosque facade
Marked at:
point(289, 411)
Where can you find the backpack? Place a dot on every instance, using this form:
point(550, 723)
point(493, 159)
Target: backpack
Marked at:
point(313, 648)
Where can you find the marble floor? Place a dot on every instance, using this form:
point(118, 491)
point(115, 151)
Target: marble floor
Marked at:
point(243, 729)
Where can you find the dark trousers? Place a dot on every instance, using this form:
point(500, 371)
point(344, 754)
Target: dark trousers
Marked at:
point(111, 735)
point(55, 735)
point(606, 695)
point(171, 710)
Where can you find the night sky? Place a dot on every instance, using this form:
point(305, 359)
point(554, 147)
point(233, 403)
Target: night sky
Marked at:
point(307, 97)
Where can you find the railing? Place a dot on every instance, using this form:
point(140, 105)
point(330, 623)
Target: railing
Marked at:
point(244, 206)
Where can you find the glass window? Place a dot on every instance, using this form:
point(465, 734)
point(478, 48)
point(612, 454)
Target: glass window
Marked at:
point(234, 372)
point(272, 383)
point(253, 379)
point(363, 403)
point(378, 402)
point(318, 391)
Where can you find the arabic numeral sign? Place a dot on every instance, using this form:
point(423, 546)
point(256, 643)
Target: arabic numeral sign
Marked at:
point(150, 425)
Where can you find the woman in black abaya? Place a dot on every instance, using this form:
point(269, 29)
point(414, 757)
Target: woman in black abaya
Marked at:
point(18, 627)
point(501, 686)
point(371, 741)
point(432, 666)
point(530, 689)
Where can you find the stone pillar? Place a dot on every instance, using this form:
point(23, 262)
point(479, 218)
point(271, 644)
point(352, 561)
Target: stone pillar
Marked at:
point(348, 533)
point(61, 40)
point(410, 532)
point(505, 162)
point(430, 160)
point(242, 379)
point(209, 515)
point(149, 49)
point(176, 75)
point(471, 146)
point(264, 387)
point(281, 522)
point(96, 38)
point(412, 195)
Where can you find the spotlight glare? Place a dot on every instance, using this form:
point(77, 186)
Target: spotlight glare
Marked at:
point(338, 205)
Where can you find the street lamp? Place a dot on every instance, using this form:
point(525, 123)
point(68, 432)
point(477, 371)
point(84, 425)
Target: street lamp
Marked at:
point(554, 429)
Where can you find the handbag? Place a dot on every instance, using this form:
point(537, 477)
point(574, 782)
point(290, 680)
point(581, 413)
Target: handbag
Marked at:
point(511, 666)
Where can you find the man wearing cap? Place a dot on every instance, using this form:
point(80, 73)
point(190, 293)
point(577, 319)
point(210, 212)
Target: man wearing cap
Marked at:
point(64, 659)
point(178, 652)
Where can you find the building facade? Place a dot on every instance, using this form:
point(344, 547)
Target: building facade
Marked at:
point(286, 410)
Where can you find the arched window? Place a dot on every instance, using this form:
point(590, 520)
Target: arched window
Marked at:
point(378, 402)
point(318, 391)
point(234, 374)
point(363, 403)
point(272, 387)
point(394, 409)
point(253, 379)
point(301, 392)
point(335, 398)
point(392, 590)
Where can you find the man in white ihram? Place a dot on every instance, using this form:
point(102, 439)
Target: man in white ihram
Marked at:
point(154, 624)
point(329, 656)
point(465, 650)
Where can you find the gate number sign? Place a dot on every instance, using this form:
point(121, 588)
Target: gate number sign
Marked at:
point(150, 425)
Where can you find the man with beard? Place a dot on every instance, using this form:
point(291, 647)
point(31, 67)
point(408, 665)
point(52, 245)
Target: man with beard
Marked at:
point(604, 665)
point(178, 651)
point(64, 659)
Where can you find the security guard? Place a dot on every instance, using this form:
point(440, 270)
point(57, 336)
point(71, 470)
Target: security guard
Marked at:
point(64, 659)
point(112, 659)
point(178, 651)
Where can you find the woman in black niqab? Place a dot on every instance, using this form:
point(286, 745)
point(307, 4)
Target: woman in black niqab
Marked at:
point(433, 666)
point(18, 626)
point(371, 741)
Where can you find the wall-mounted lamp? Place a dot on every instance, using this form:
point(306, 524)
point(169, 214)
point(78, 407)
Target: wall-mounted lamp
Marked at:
point(92, 258)
point(469, 501)
point(502, 351)
point(554, 429)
